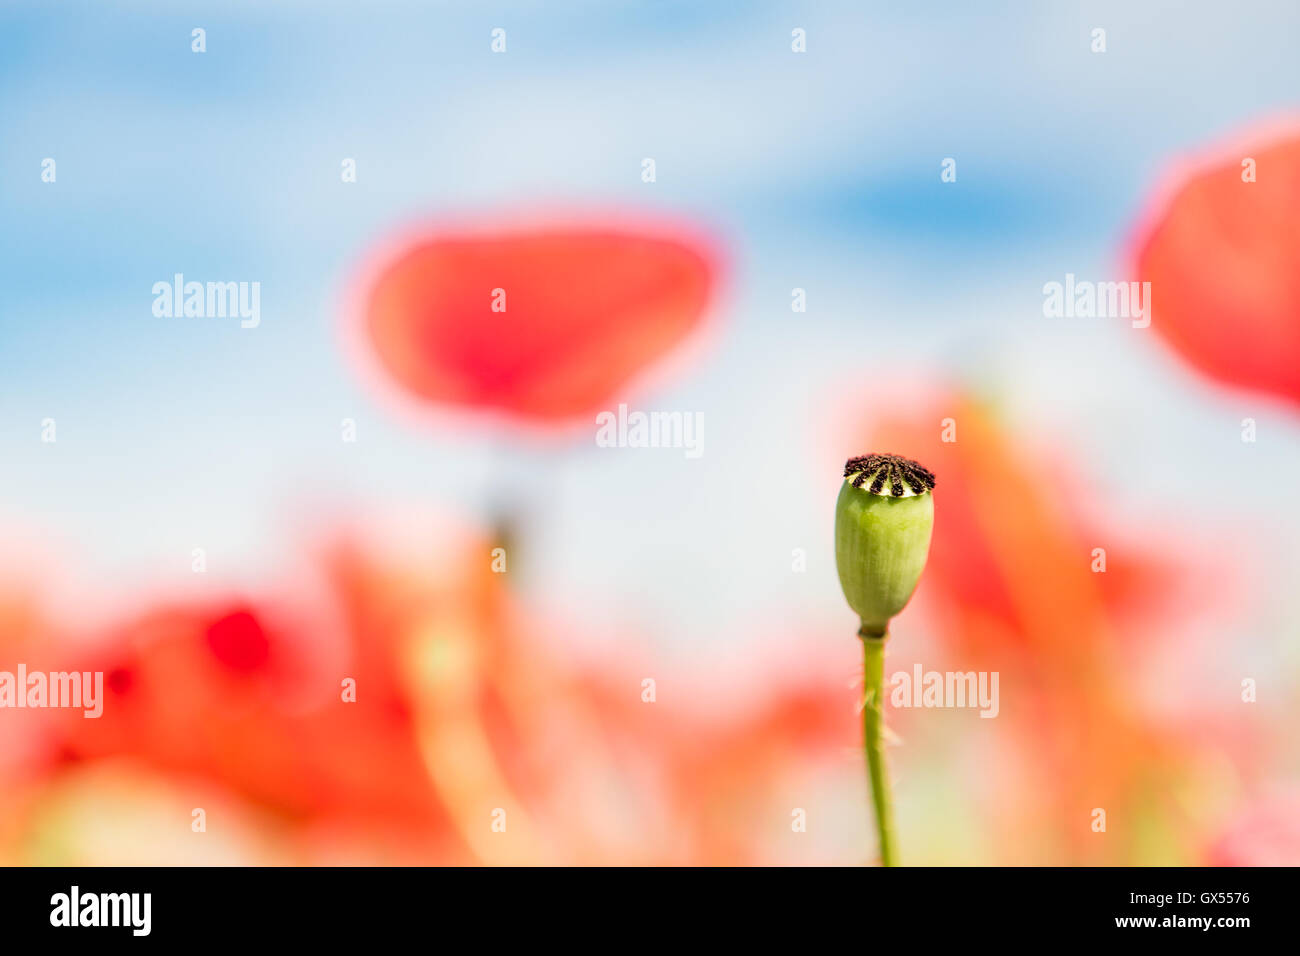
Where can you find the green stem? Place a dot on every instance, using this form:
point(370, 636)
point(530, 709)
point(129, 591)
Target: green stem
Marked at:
point(873, 720)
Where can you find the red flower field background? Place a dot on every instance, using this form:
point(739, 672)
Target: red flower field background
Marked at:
point(374, 701)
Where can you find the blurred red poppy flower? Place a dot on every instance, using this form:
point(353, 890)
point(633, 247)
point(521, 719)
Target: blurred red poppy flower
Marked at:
point(1221, 249)
point(461, 706)
point(545, 323)
point(232, 694)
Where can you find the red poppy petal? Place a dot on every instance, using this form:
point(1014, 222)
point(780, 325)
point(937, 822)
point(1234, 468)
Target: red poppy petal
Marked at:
point(577, 314)
point(1223, 260)
point(238, 641)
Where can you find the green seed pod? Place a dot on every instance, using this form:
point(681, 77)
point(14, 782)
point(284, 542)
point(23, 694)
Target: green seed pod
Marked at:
point(883, 519)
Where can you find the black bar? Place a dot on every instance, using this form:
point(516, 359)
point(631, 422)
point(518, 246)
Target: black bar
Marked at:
point(328, 907)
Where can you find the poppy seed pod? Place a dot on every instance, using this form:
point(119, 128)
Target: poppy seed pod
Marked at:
point(883, 519)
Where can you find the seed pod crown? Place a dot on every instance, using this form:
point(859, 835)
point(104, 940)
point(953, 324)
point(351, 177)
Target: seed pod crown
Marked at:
point(889, 474)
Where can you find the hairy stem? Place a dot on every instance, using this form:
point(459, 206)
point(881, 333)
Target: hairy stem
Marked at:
point(873, 719)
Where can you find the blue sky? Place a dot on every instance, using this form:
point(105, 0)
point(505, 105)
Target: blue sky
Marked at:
point(819, 170)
